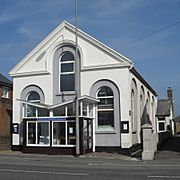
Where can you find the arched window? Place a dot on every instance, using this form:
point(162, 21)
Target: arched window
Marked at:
point(105, 108)
point(32, 111)
point(33, 97)
point(132, 110)
point(67, 71)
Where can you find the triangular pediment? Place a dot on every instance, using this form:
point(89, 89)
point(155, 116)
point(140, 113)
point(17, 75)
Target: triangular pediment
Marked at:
point(95, 53)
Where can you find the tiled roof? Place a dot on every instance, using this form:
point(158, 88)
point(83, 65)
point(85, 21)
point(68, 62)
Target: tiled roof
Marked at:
point(5, 81)
point(163, 107)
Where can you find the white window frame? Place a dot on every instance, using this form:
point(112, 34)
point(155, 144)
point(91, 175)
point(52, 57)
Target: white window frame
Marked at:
point(132, 110)
point(66, 135)
point(65, 73)
point(33, 101)
point(5, 92)
point(36, 122)
point(162, 121)
point(101, 128)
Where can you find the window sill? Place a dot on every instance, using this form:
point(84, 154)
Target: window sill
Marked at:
point(5, 97)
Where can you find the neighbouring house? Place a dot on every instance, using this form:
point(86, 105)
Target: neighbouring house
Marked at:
point(177, 124)
point(5, 112)
point(115, 100)
point(165, 117)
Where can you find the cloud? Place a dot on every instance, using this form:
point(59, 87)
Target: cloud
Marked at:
point(29, 8)
point(111, 8)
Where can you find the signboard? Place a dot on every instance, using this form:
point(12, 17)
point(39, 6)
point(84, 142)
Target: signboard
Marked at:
point(51, 119)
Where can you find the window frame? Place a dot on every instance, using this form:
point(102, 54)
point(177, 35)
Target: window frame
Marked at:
point(32, 101)
point(66, 134)
point(66, 73)
point(100, 128)
point(5, 92)
point(161, 120)
point(27, 131)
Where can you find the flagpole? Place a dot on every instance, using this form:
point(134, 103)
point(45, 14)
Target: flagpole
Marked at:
point(77, 80)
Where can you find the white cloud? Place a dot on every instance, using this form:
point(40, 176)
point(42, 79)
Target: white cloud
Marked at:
point(29, 8)
point(110, 8)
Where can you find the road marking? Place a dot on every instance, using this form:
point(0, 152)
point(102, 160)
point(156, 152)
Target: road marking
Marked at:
point(44, 172)
point(165, 177)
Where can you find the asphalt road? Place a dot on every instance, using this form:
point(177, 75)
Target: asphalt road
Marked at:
point(45, 167)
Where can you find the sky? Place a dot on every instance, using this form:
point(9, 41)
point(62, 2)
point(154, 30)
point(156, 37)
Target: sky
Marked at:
point(145, 31)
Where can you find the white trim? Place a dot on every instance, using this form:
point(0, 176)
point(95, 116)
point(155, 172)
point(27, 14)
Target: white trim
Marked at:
point(27, 130)
point(66, 134)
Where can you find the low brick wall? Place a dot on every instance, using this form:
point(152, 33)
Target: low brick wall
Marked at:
point(5, 143)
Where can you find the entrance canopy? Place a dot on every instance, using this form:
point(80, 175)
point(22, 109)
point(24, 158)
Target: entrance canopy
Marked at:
point(63, 110)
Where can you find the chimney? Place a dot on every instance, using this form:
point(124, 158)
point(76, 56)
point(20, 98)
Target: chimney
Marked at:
point(170, 93)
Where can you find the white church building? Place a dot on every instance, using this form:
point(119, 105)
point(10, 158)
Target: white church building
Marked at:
point(115, 100)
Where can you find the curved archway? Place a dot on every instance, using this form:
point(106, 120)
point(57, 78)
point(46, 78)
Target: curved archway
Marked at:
point(64, 73)
point(109, 135)
point(33, 88)
point(111, 99)
point(134, 95)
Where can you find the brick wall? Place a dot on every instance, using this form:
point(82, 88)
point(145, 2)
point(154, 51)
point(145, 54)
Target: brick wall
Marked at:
point(5, 120)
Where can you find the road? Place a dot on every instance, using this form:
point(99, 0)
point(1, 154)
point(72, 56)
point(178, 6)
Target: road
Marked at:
point(46, 167)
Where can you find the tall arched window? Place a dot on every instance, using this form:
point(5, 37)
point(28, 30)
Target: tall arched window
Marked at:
point(67, 71)
point(32, 110)
point(132, 110)
point(105, 108)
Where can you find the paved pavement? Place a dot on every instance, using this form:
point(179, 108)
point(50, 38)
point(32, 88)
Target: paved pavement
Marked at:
point(170, 150)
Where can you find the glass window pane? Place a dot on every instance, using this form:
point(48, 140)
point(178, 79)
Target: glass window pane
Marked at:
point(105, 103)
point(31, 133)
point(84, 109)
point(105, 91)
point(67, 82)
point(70, 110)
point(69, 67)
point(161, 126)
point(67, 56)
point(59, 137)
point(31, 111)
point(71, 133)
point(43, 133)
point(59, 111)
point(33, 96)
point(43, 112)
point(90, 110)
point(106, 118)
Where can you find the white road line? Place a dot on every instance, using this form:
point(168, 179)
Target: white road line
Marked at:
point(165, 177)
point(44, 172)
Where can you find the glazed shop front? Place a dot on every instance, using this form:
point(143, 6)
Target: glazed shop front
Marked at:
point(52, 129)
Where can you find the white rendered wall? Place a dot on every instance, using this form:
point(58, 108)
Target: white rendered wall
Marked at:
point(135, 137)
point(43, 81)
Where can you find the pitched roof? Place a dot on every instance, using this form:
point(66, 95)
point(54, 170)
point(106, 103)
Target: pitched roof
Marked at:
point(163, 107)
point(82, 34)
point(5, 81)
point(177, 119)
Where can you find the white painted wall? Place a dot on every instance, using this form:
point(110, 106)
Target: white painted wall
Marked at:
point(91, 56)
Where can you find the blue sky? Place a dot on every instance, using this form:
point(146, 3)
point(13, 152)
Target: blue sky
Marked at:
point(120, 24)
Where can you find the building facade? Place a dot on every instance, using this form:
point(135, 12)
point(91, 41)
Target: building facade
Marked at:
point(5, 112)
point(115, 100)
point(165, 117)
